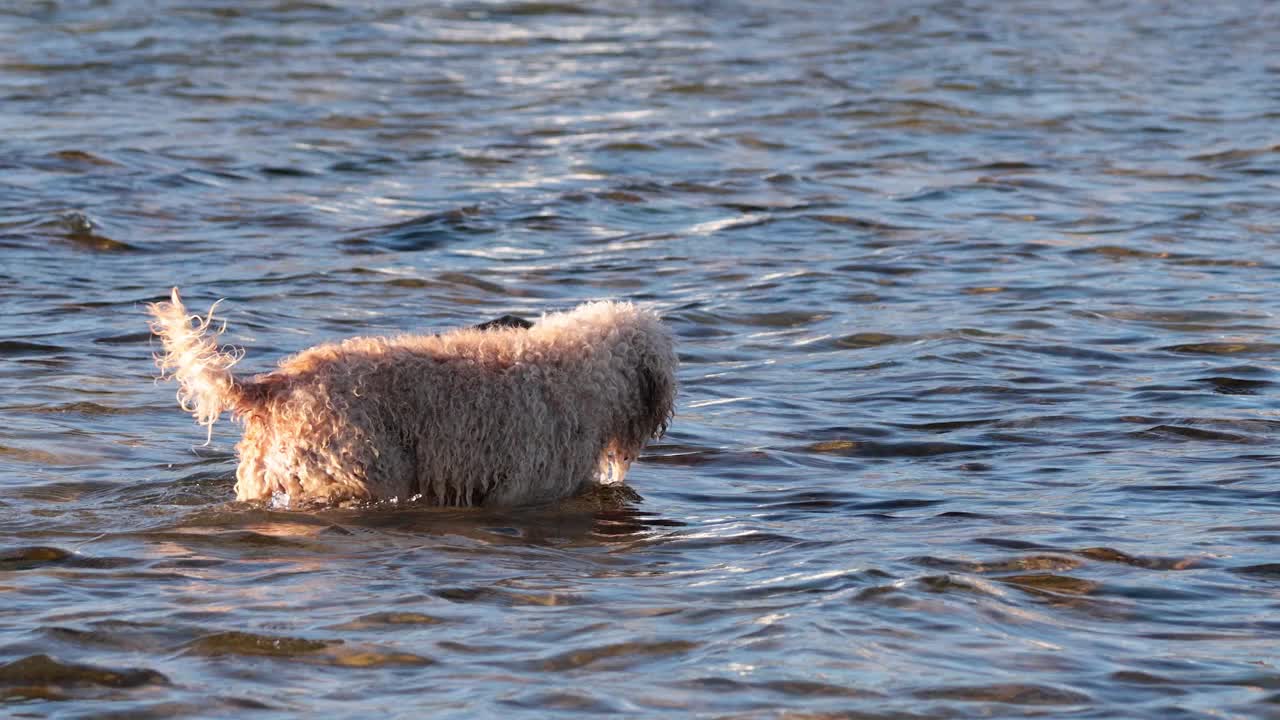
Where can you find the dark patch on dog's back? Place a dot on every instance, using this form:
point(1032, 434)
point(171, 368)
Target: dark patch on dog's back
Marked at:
point(506, 321)
point(254, 396)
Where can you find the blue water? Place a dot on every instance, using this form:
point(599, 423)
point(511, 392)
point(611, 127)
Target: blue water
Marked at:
point(975, 304)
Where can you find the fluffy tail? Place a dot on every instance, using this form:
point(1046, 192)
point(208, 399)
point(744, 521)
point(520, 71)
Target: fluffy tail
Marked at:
point(192, 356)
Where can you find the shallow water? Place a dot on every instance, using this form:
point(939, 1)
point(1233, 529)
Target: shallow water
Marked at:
point(976, 311)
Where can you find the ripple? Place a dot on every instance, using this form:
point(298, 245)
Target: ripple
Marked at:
point(137, 338)
point(30, 558)
point(23, 348)
point(1178, 432)
point(1014, 564)
point(331, 652)
point(1235, 386)
point(1224, 348)
point(617, 656)
point(83, 232)
point(81, 157)
point(565, 701)
point(1052, 583)
point(1009, 693)
point(871, 339)
point(86, 408)
point(870, 448)
point(1265, 570)
point(42, 677)
point(388, 620)
point(485, 595)
point(250, 643)
point(795, 689)
point(425, 232)
point(1105, 554)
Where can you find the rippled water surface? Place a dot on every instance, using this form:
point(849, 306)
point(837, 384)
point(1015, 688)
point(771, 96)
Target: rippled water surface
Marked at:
point(975, 303)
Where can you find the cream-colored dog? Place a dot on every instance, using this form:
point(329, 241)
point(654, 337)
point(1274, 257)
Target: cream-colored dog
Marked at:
point(492, 416)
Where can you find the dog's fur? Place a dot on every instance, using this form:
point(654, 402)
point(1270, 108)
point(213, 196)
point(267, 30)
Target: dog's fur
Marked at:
point(497, 415)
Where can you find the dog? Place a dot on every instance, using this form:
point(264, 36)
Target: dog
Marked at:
point(497, 415)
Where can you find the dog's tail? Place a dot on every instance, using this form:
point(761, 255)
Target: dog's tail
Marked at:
point(193, 357)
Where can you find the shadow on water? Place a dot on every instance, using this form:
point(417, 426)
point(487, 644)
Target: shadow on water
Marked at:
point(604, 515)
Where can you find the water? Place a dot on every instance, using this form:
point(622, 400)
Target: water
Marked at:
point(975, 305)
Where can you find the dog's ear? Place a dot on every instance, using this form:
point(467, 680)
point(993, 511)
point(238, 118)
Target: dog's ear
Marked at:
point(657, 397)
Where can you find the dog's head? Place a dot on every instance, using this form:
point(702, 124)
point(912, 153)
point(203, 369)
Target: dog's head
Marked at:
point(653, 393)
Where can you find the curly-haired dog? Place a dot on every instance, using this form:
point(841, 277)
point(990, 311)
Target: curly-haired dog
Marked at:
point(493, 415)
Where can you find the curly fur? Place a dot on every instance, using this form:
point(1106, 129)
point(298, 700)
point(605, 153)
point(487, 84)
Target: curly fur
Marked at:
point(496, 416)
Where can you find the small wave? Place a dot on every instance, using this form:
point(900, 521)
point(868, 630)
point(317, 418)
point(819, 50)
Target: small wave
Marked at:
point(1225, 348)
point(329, 652)
point(618, 656)
point(45, 678)
point(84, 232)
point(908, 449)
point(1007, 694)
point(24, 348)
point(425, 232)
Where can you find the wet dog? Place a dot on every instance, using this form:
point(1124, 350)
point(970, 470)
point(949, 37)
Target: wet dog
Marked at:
point(500, 414)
